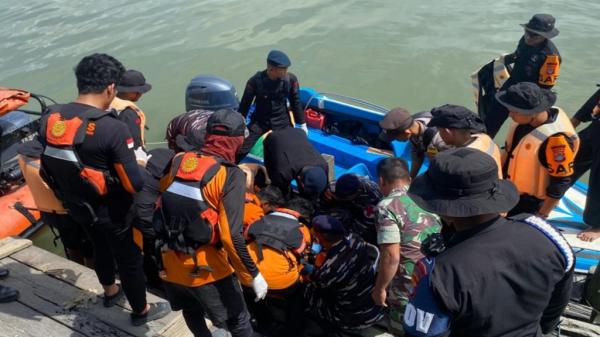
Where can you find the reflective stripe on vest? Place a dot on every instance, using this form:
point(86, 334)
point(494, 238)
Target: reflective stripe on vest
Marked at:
point(63, 154)
point(486, 144)
point(185, 191)
point(524, 168)
point(501, 75)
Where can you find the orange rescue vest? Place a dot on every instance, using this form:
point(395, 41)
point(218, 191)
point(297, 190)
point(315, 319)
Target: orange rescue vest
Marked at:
point(121, 104)
point(485, 143)
point(44, 198)
point(524, 167)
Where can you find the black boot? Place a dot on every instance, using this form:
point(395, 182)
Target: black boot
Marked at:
point(3, 273)
point(8, 294)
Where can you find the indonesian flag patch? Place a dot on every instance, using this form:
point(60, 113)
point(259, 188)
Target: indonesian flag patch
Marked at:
point(129, 142)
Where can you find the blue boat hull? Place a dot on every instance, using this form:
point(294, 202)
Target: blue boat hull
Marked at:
point(362, 159)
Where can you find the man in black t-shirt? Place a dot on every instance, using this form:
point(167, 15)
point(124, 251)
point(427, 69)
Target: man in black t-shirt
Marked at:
point(271, 90)
point(493, 276)
point(89, 162)
point(588, 158)
point(535, 60)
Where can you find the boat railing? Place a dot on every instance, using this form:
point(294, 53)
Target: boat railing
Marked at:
point(346, 99)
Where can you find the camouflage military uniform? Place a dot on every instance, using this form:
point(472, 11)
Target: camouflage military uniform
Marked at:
point(339, 293)
point(400, 220)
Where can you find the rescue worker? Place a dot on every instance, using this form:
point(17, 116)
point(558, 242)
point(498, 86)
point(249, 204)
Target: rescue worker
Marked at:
point(398, 124)
point(461, 127)
point(353, 200)
point(130, 89)
point(77, 245)
point(145, 202)
point(288, 155)
point(277, 242)
point(338, 293)
point(401, 228)
point(89, 163)
point(495, 276)
point(199, 227)
point(588, 158)
point(535, 60)
point(540, 149)
point(7, 294)
point(271, 90)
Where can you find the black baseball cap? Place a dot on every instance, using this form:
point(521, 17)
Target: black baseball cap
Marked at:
point(133, 81)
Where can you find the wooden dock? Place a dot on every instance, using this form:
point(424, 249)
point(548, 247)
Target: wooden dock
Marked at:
point(59, 298)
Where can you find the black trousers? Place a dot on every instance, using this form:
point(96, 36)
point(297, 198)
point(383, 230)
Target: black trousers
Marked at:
point(220, 301)
point(256, 130)
point(115, 250)
point(588, 158)
point(289, 299)
point(526, 204)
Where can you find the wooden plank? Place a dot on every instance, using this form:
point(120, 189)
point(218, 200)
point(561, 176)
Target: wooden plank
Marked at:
point(576, 328)
point(11, 245)
point(20, 320)
point(85, 278)
point(55, 299)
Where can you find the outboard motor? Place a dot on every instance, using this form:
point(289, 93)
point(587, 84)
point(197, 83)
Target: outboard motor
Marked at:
point(15, 128)
point(210, 93)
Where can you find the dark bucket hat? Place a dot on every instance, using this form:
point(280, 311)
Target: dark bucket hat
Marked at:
point(455, 117)
point(463, 182)
point(542, 24)
point(133, 81)
point(526, 98)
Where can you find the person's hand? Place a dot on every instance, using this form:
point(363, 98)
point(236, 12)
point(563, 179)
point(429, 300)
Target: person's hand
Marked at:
point(260, 287)
point(303, 127)
point(141, 156)
point(379, 296)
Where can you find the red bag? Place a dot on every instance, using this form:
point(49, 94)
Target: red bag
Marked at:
point(314, 119)
point(12, 99)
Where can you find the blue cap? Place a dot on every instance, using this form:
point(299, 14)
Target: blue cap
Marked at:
point(278, 58)
point(328, 225)
point(314, 182)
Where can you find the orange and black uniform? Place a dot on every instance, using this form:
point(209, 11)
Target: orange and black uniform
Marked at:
point(108, 147)
point(557, 160)
point(281, 270)
point(213, 292)
point(536, 64)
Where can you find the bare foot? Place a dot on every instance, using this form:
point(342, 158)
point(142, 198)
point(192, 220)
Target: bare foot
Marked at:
point(589, 235)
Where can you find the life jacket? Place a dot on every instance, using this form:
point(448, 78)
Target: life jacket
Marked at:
point(486, 82)
point(183, 220)
point(78, 186)
point(524, 167)
point(44, 198)
point(485, 143)
point(279, 230)
point(120, 104)
point(279, 93)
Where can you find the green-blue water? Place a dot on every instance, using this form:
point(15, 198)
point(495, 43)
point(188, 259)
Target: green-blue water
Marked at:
point(412, 53)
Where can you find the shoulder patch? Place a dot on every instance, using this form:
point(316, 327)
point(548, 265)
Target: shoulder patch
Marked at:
point(554, 235)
